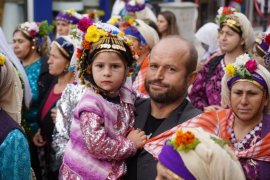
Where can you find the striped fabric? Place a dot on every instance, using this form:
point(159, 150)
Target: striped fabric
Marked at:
point(215, 122)
point(138, 84)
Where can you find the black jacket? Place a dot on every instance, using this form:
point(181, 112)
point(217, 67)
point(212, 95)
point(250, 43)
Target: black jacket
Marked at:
point(143, 164)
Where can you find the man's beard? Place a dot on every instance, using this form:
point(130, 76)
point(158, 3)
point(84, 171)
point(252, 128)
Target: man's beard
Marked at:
point(170, 96)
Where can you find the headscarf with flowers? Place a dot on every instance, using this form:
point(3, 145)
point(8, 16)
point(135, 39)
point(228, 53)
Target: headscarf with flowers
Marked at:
point(11, 93)
point(245, 68)
point(37, 32)
point(238, 22)
point(101, 37)
point(262, 47)
point(193, 153)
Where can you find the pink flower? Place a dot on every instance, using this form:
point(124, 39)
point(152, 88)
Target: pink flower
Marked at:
point(84, 23)
point(251, 65)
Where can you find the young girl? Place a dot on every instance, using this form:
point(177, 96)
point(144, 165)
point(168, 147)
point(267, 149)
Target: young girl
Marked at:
point(100, 134)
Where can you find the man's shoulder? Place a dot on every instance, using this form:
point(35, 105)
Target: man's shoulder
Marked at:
point(141, 101)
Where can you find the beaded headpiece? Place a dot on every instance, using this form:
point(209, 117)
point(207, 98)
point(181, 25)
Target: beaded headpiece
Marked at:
point(244, 70)
point(262, 44)
point(102, 37)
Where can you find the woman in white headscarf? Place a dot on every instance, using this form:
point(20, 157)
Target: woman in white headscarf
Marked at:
point(5, 47)
point(14, 149)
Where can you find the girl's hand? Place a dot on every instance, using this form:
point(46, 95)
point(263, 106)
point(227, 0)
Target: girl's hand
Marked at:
point(138, 137)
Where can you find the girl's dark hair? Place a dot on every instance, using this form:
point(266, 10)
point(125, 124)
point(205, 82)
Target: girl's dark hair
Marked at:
point(172, 23)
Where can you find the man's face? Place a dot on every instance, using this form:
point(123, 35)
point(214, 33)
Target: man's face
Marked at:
point(166, 80)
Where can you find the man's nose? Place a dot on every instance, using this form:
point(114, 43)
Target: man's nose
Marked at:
point(159, 73)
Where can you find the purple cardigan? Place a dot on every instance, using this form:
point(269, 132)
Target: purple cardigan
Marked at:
point(86, 161)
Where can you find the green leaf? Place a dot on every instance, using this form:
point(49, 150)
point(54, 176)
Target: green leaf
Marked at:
point(45, 28)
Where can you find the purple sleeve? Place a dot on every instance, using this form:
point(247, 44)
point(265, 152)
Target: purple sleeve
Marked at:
point(197, 95)
point(99, 143)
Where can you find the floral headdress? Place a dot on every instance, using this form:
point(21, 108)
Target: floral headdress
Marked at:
point(190, 149)
point(225, 17)
point(38, 32)
point(135, 5)
point(35, 29)
point(101, 37)
point(263, 44)
point(244, 69)
point(70, 16)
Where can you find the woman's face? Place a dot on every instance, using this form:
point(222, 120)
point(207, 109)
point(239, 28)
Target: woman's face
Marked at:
point(109, 72)
point(248, 101)
point(164, 173)
point(21, 46)
point(57, 62)
point(162, 24)
point(62, 28)
point(229, 40)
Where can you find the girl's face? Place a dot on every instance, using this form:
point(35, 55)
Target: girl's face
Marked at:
point(162, 24)
point(57, 62)
point(247, 101)
point(21, 46)
point(229, 40)
point(62, 28)
point(109, 72)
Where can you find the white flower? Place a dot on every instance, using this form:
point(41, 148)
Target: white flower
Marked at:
point(241, 60)
point(220, 10)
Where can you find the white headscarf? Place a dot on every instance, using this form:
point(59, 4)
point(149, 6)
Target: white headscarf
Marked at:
point(149, 34)
point(11, 92)
point(207, 34)
point(6, 49)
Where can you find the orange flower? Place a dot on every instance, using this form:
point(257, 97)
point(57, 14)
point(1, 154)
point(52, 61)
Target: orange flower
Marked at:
point(86, 45)
point(184, 138)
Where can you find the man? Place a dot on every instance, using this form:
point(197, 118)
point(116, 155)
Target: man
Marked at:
point(170, 72)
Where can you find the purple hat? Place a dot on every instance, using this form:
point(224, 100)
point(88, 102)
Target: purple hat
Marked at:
point(170, 158)
point(70, 16)
point(135, 5)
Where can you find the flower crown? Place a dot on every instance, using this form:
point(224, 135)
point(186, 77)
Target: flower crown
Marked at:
point(70, 16)
point(223, 13)
point(2, 59)
point(184, 141)
point(36, 29)
point(244, 66)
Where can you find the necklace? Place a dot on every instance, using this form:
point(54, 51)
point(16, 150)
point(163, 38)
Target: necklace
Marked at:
point(248, 139)
point(223, 65)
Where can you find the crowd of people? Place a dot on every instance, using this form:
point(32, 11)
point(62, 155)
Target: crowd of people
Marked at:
point(132, 99)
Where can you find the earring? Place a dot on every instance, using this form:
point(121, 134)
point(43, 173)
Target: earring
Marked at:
point(33, 47)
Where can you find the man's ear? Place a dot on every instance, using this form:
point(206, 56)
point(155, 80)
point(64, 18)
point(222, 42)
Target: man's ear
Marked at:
point(191, 77)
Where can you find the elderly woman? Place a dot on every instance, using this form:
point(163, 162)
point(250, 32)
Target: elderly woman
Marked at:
point(235, 37)
point(14, 149)
point(60, 55)
point(192, 153)
point(245, 90)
